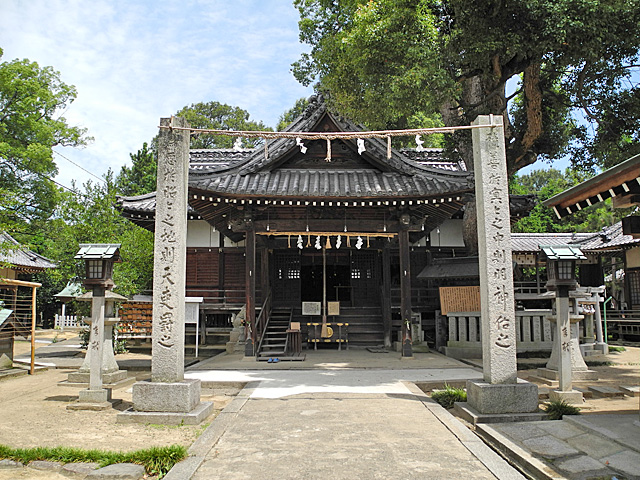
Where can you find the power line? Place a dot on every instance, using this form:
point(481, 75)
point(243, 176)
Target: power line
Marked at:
point(79, 166)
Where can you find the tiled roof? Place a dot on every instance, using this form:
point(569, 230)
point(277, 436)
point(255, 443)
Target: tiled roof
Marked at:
point(530, 242)
point(212, 160)
point(22, 258)
point(610, 238)
point(361, 183)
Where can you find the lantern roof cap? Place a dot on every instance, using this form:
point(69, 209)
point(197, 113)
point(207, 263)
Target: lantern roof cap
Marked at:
point(99, 251)
point(562, 252)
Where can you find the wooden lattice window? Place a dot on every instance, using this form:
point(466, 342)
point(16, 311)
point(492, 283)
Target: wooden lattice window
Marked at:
point(287, 276)
point(633, 279)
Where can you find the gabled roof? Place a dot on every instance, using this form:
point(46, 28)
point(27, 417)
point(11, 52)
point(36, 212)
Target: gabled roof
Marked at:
point(21, 258)
point(621, 181)
point(281, 170)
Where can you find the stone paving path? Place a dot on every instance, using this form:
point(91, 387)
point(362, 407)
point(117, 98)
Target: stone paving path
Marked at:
point(340, 424)
point(590, 446)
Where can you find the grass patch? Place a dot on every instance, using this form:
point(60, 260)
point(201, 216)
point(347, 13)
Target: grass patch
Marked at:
point(616, 348)
point(557, 408)
point(155, 460)
point(449, 396)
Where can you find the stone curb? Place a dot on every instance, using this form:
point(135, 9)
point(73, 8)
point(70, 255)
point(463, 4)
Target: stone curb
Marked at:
point(496, 464)
point(532, 466)
point(205, 442)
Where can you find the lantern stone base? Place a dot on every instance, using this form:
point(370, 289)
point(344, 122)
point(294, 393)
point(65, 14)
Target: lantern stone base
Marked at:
point(97, 395)
point(504, 398)
point(572, 396)
point(94, 400)
point(194, 417)
point(169, 403)
point(110, 378)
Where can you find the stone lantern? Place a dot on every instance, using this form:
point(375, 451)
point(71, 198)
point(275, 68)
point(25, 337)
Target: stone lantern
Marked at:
point(99, 260)
point(566, 359)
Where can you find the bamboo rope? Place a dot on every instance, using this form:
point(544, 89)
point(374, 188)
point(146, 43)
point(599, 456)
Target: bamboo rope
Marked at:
point(328, 135)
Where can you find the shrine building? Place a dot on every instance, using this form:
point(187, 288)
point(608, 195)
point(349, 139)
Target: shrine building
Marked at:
point(292, 227)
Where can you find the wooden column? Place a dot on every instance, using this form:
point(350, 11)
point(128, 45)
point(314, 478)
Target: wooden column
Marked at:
point(405, 291)
point(250, 289)
point(264, 272)
point(386, 294)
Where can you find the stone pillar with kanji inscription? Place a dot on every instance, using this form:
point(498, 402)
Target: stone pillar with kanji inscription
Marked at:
point(169, 398)
point(501, 392)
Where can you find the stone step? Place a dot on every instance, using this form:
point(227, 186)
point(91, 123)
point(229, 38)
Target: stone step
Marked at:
point(603, 391)
point(631, 390)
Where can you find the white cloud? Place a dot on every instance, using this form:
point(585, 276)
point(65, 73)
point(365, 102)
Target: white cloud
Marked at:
point(134, 62)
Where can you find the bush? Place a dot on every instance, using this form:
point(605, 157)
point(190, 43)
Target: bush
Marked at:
point(615, 348)
point(555, 409)
point(449, 396)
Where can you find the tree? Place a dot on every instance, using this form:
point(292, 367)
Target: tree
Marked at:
point(382, 61)
point(548, 183)
point(87, 215)
point(219, 116)
point(32, 99)
point(291, 114)
point(140, 178)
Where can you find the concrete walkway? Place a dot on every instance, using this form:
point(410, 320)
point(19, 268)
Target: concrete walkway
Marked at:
point(342, 423)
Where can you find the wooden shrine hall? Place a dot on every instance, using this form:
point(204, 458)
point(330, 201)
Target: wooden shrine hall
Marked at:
point(304, 225)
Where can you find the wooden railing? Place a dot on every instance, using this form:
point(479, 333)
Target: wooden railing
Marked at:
point(420, 297)
point(223, 296)
point(263, 321)
point(623, 323)
point(533, 333)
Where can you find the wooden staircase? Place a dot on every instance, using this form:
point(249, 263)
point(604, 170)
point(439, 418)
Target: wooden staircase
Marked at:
point(273, 344)
point(365, 325)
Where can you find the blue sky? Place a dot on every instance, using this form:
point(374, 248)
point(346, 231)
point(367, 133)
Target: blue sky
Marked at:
point(134, 62)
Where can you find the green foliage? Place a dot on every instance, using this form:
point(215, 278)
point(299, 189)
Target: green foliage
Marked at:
point(219, 116)
point(140, 178)
point(616, 348)
point(291, 114)
point(547, 183)
point(381, 61)
point(555, 409)
point(449, 396)
point(32, 99)
point(156, 460)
